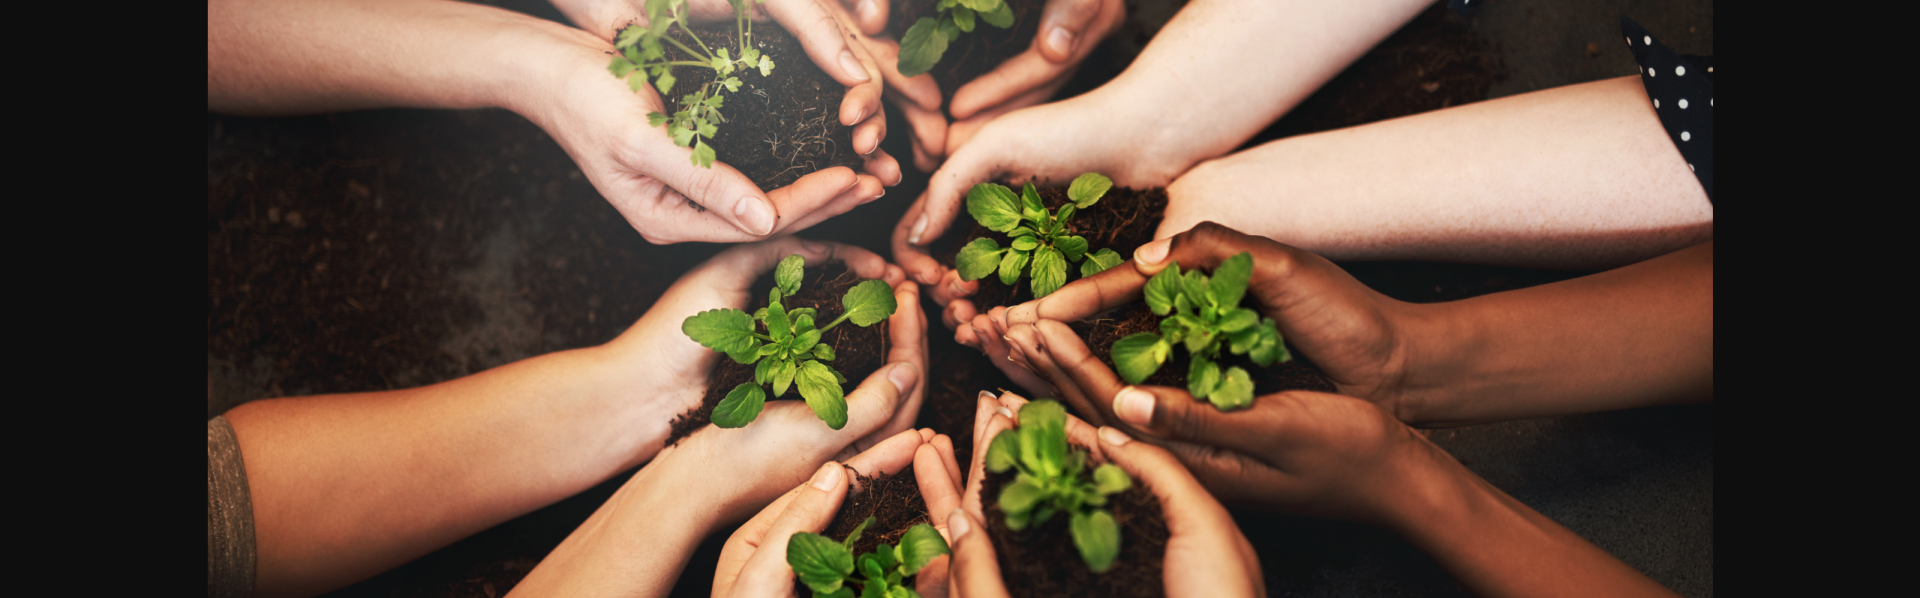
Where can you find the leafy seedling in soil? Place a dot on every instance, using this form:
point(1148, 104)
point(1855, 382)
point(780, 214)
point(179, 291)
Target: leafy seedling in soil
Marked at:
point(1205, 315)
point(790, 353)
point(1041, 242)
point(641, 56)
point(1053, 480)
point(829, 568)
point(926, 41)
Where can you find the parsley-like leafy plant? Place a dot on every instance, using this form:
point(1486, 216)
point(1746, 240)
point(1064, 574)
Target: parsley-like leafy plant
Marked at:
point(641, 56)
point(790, 352)
point(830, 569)
point(1206, 315)
point(1040, 238)
point(1053, 479)
point(924, 42)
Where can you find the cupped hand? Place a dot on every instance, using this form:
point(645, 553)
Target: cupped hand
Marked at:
point(654, 184)
point(1069, 30)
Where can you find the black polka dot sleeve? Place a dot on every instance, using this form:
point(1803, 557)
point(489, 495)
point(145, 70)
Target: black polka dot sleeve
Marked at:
point(1681, 88)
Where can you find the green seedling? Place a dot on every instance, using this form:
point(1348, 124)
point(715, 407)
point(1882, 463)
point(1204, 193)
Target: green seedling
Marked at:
point(641, 56)
point(831, 570)
point(789, 353)
point(1054, 480)
point(1040, 240)
point(927, 39)
point(1206, 315)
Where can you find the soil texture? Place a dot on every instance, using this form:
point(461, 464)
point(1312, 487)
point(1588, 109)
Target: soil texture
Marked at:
point(1102, 331)
point(857, 351)
point(779, 127)
point(976, 53)
point(1123, 220)
point(892, 500)
point(1042, 561)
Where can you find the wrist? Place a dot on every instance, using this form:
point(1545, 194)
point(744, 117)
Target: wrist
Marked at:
point(1434, 343)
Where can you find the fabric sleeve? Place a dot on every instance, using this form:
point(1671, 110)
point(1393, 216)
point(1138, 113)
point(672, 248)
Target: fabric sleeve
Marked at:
point(230, 541)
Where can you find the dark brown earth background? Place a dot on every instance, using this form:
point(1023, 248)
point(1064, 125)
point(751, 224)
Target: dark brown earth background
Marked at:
point(396, 248)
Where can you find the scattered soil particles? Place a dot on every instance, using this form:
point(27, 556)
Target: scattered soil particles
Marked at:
point(779, 127)
point(892, 500)
point(1123, 220)
point(857, 351)
point(1042, 561)
point(976, 53)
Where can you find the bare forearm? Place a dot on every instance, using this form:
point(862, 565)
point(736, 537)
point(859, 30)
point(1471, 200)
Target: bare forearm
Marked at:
point(636, 544)
point(1634, 336)
point(302, 56)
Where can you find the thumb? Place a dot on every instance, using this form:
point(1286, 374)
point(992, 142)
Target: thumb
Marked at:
point(973, 571)
point(725, 192)
point(1063, 26)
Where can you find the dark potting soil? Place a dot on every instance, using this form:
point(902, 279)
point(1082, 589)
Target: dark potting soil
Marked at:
point(892, 500)
point(1101, 332)
point(976, 53)
point(779, 127)
point(857, 351)
point(1042, 561)
point(1123, 220)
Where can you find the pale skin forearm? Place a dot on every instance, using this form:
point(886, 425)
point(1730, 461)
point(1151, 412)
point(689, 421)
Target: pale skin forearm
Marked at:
point(637, 543)
point(1634, 336)
point(1581, 176)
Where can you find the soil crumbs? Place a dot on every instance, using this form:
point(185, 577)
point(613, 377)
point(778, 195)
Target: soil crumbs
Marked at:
point(1042, 560)
point(1123, 220)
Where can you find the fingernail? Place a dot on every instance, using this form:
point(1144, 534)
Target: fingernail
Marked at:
point(1134, 406)
point(1003, 411)
point(958, 287)
point(755, 216)
point(919, 227)
point(865, 11)
point(1153, 253)
point(958, 526)
point(1060, 40)
point(988, 395)
point(828, 477)
point(1114, 436)
point(852, 66)
point(1017, 356)
point(903, 376)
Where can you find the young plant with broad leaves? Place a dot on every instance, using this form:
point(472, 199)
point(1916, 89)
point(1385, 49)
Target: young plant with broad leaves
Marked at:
point(831, 570)
point(1205, 316)
point(642, 56)
point(789, 353)
point(1041, 242)
point(1053, 479)
point(924, 42)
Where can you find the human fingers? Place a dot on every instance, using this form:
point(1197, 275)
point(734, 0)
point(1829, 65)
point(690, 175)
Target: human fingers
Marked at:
point(1172, 414)
point(952, 288)
point(1214, 558)
point(740, 546)
point(929, 129)
point(942, 201)
point(908, 252)
point(869, 15)
point(973, 572)
point(1082, 298)
point(887, 457)
point(938, 489)
point(821, 34)
point(992, 340)
point(865, 189)
point(1057, 354)
point(906, 329)
point(960, 132)
point(1030, 351)
point(766, 572)
point(990, 420)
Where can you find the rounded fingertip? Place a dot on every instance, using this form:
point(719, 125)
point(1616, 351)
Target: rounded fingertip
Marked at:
point(866, 11)
point(1060, 41)
point(1004, 411)
point(987, 395)
point(926, 435)
point(958, 525)
point(814, 247)
point(903, 375)
point(755, 215)
point(828, 477)
point(1114, 436)
point(852, 66)
point(919, 228)
point(1153, 253)
point(1134, 406)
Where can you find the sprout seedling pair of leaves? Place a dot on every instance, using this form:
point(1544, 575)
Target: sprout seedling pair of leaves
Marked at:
point(1052, 479)
point(790, 353)
point(1040, 237)
point(1206, 314)
point(641, 56)
point(924, 42)
point(829, 568)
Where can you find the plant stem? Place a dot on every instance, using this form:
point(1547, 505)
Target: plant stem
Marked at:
point(683, 47)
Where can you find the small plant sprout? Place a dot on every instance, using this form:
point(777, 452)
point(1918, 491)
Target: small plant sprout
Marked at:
point(831, 570)
point(1040, 238)
point(927, 39)
point(641, 56)
point(789, 353)
point(1053, 480)
point(1206, 315)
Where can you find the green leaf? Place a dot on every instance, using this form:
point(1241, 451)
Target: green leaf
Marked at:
point(1097, 537)
point(889, 556)
point(1001, 17)
point(732, 84)
point(919, 546)
point(1099, 261)
point(1012, 264)
point(1138, 356)
point(1269, 349)
point(766, 67)
point(682, 136)
point(636, 80)
point(1229, 282)
point(1088, 188)
point(628, 37)
point(821, 388)
point(1202, 377)
point(1043, 436)
point(1030, 199)
point(921, 47)
point(1021, 495)
point(1066, 212)
point(1072, 247)
point(949, 29)
point(705, 129)
point(963, 17)
point(1199, 292)
point(1110, 479)
point(823, 352)
point(1017, 521)
point(620, 67)
point(703, 155)
point(1049, 271)
point(740, 407)
point(655, 119)
point(664, 83)
point(1162, 289)
point(1002, 452)
point(1022, 231)
point(724, 330)
point(876, 575)
point(1243, 340)
point(805, 341)
point(783, 376)
point(802, 323)
point(843, 592)
point(1237, 318)
point(979, 5)
point(901, 592)
point(979, 258)
point(777, 325)
point(763, 373)
point(750, 56)
point(1235, 391)
point(854, 536)
point(1025, 243)
point(822, 564)
point(993, 206)
point(868, 302)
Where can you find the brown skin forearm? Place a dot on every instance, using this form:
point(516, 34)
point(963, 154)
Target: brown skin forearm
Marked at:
point(1635, 336)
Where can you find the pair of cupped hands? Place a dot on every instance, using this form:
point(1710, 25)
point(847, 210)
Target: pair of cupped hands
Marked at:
point(604, 126)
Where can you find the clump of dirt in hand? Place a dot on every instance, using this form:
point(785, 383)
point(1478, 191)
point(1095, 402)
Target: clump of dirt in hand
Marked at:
point(858, 352)
point(1123, 220)
point(1042, 560)
point(1100, 332)
point(779, 127)
point(892, 500)
point(976, 53)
